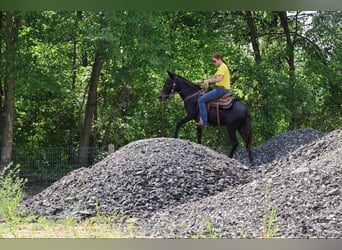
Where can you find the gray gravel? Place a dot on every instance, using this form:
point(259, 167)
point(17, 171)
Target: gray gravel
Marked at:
point(178, 189)
point(139, 179)
point(304, 187)
point(278, 146)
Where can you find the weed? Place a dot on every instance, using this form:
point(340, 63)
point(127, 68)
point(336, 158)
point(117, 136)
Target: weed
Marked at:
point(244, 231)
point(11, 191)
point(130, 226)
point(269, 228)
point(211, 231)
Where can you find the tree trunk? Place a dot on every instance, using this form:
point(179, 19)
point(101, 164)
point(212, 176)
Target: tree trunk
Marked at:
point(253, 34)
point(12, 29)
point(290, 60)
point(74, 53)
point(289, 43)
point(89, 113)
point(1, 88)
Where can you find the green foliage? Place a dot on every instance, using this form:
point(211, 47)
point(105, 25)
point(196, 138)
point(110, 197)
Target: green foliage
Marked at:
point(11, 191)
point(55, 52)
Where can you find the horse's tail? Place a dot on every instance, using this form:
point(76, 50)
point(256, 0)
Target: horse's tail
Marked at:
point(247, 128)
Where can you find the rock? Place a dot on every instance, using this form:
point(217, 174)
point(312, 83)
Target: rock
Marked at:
point(300, 170)
point(307, 200)
point(173, 188)
point(142, 177)
point(279, 146)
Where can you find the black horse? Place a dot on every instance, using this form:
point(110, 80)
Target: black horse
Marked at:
point(235, 118)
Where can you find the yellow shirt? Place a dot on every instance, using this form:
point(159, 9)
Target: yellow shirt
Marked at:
point(223, 70)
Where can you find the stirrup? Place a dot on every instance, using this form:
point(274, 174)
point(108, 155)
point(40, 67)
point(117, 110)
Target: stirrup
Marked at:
point(200, 124)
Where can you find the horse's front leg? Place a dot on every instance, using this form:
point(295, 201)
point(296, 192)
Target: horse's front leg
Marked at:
point(180, 123)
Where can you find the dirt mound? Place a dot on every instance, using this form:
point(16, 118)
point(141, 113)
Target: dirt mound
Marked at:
point(279, 146)
point(304, 188)
point(176, 188)
point(142, 177)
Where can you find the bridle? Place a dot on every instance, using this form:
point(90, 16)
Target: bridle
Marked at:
point(173, 91)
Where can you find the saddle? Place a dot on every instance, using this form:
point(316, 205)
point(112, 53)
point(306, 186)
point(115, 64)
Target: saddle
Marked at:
point(224, 102)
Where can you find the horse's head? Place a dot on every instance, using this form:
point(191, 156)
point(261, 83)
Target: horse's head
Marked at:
point(169, 87)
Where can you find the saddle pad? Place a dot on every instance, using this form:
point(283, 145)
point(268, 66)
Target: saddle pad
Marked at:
point(214, 105)
point(224, 102)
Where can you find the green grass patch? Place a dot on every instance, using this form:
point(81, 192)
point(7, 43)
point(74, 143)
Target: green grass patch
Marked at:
point(11, 191)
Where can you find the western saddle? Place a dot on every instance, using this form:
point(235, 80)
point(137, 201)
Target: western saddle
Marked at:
point(224, 102)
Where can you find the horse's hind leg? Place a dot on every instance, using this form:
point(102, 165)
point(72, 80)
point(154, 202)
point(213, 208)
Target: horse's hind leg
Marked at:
point(199, 135)
point(247, 137)
point(234, 141)
point(246, 133)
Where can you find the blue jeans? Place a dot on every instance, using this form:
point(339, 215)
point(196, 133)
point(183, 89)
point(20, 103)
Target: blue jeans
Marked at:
point(211, 95)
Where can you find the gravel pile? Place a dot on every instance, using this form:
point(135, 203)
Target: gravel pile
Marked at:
point(174, 188)
point(304, 187)
point(279, 146)
point(139, 179)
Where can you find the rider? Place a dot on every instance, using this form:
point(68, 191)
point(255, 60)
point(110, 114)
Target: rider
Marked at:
point(222, 86)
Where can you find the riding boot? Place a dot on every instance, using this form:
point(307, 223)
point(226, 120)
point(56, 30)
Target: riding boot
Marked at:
point(201, 124)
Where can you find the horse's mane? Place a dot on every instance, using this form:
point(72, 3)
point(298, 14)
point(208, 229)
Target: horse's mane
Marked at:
point(191, 84)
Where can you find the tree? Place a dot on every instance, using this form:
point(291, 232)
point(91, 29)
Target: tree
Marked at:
point(12, 26)
point(87, 79)
point(47, 103)
point(90, 111)
point(253, 33)
point(322, 45)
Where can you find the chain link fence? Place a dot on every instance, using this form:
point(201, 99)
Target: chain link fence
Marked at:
point(43, 166)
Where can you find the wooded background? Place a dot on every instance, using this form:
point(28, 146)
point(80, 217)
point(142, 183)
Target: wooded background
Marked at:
point(86, 79)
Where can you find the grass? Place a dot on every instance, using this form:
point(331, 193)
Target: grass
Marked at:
point(13, 225)
point(67, 228)
point(11, 186)
point(211, 231)
point(99, 226)
point(269, 228)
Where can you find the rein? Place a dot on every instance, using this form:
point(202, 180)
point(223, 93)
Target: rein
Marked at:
point(172, 92)
point(191, 96)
